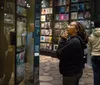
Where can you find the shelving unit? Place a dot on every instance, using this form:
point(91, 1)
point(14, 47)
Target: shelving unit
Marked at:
point(64, 12)
point(21, 24)
point(46, 25)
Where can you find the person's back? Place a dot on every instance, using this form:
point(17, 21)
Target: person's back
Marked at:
point(94, 48)
point(94, 42)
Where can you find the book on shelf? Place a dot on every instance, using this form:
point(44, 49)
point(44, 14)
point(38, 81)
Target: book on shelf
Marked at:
point(43, 17)
point(61, 16)
point(74, 15)
point(57, 17)
point(42, 38)
point(42, 25)
point(49, 17)
point(43, 11)
point(57, 25)
point(55, 47)
point(74, 7)
point(62, 9)
point(74, 1)
point(87, 23)
point(80, 15)
point(42, 45)
point(66, 16)
point(87, 15)
point(81, 7)
point(48, 46)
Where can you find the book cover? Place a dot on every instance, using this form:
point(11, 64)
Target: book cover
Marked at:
point(46, 24)
point(81, 7)
point(74, 7)
point(48, 17)
point(48, 46)
point(74, 15)
point(61, 16)
point(66, 17)
point(80, 15)
point(62, 9)
point(43, 17)
point(57, 17)
point(42, 38)
point(55, 47)
point(43, 11)
point(74, 1)
point(50, 10)
point(42, 45)
point(19, 10)
point(87, 15)
point(87, 23)
point(42, 25)
point(56, 25)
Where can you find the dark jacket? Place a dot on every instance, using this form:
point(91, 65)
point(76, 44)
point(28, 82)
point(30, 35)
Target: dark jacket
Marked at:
point(71, 53)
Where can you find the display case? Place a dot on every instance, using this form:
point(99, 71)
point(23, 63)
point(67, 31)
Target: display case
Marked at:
point(64, 12)
point(21, 24)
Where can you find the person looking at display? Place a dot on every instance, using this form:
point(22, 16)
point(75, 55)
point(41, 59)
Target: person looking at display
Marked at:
point(70, 53)
point(94, 50)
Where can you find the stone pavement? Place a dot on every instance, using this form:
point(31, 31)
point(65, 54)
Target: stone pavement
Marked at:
point(49, 72)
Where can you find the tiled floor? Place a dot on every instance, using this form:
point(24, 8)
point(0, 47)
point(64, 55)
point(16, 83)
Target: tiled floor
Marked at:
point(49, 73)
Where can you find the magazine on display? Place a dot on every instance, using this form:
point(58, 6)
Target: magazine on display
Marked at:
point(55, 47)
point(66, 17)
point(87, 15)
point(57, 25)
point(74, 7)
point(81, 15)
point(62, 9)
point(42, 38)
point(43, 17)
point(81, 7)
point(42, 45)
point(48, 46)
point(48, 17)
point(74, 15)
point(74, 1)
point(57, 17)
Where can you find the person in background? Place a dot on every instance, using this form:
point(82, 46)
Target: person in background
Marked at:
point(70, 53)
point(94, 49)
